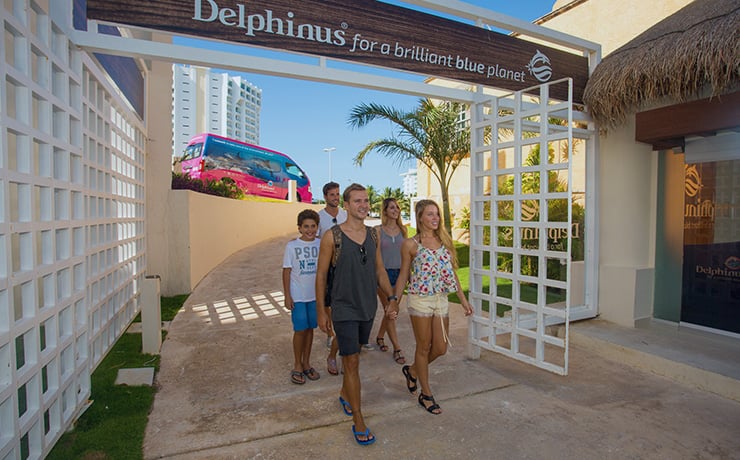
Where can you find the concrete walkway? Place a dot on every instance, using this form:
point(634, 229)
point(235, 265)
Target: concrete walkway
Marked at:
point(224, 392)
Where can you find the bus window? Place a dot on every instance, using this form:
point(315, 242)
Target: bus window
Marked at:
point(294, 170)
point(192, 151)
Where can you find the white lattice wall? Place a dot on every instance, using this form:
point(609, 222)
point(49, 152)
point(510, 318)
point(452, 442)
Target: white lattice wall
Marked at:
point(71, 227)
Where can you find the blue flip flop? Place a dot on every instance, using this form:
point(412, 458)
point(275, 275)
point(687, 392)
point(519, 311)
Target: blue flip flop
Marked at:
point(345, 406)
point(370, 438)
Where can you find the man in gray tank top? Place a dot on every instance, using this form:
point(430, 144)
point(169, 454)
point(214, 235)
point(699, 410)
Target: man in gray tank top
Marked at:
point(358, 273)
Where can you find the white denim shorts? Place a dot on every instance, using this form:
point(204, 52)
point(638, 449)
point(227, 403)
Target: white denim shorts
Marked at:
point(428, 305)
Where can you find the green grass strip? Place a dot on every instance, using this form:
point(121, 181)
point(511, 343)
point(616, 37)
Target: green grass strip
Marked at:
point(113, 426)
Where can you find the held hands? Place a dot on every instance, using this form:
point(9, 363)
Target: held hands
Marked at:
point(391, 311)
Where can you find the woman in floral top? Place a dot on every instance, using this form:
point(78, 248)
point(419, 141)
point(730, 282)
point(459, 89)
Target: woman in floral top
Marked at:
point(428, 263)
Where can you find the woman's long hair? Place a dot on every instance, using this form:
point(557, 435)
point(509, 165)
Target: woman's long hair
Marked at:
point(440, 232)
point(385, 218)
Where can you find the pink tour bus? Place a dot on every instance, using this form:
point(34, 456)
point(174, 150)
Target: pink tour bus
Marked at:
point(256, 170)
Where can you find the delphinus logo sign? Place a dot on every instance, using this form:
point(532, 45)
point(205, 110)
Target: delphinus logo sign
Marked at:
point(362, 31)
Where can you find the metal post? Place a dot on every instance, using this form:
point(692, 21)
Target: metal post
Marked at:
point(329, 150)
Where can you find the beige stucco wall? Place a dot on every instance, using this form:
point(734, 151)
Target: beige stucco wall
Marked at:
point(627, 169)
point(203, 230)
point(627, 177)
point(612, 23)
point(459, 190)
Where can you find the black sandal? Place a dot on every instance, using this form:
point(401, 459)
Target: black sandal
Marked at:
point(433, 407)
point(410, 381)
point(381, 344)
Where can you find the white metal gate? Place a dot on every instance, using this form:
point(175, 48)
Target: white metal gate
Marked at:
point(521, 225)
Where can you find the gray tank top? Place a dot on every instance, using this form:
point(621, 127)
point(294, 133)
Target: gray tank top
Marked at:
point(390, 249)
point(355, 284)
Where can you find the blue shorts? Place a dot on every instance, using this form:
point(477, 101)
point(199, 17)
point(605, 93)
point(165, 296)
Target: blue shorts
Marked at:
point(350, 334)
point(304, 316)
point(393, 275)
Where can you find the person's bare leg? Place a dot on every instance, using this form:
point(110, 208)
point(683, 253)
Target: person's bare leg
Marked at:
point(298, 341)
point(330, 331)
point(439, 345)
point(332, 364)
point(351, 390)
point(390, 326)
point(306, 349)
point(422, 326)
point(334, 349)
point(384, 322)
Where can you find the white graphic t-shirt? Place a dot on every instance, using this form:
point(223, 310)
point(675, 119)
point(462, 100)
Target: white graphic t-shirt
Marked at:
point(302, 258)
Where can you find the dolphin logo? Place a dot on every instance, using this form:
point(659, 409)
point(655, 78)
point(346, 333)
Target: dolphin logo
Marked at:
point(539, 67)
point(693, 181)
point(732, 263)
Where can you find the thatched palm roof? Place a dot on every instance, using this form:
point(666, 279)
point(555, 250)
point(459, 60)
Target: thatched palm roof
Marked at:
point(695, 48)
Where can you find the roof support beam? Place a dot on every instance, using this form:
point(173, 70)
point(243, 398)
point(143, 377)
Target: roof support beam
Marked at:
point(167, 52)
point(667, 127)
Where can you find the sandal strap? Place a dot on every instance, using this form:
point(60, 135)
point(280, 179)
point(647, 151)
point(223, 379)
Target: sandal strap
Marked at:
point(433, 407)
point(409, 380)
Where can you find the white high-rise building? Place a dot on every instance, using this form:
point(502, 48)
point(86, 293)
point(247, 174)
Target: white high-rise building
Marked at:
point(213, 102)
point(409, 182)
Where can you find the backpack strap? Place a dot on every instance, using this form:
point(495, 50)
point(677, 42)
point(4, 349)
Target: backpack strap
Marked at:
point(337, 233)
point(374, 232)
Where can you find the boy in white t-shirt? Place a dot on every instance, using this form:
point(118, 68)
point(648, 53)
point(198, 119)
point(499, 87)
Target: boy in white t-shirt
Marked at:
point(299, 284)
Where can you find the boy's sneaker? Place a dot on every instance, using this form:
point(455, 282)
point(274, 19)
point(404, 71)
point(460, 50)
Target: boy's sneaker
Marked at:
point(368, 347)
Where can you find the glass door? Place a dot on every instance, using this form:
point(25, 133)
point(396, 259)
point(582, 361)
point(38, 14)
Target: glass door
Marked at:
point(710, 294)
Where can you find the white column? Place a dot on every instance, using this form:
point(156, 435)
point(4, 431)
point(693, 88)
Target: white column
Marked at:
point(151, 316)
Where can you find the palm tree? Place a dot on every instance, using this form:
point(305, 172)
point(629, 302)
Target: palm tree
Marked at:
point(432, 134)
point(375, 199)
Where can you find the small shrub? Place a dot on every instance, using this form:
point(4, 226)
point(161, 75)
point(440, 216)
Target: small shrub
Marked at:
point(225, 187)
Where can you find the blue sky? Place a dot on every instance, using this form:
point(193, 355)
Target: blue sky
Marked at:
point(303, 118)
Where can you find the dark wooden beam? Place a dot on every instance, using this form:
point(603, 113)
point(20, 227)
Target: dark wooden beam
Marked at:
point(670, 144)
point(667, 125)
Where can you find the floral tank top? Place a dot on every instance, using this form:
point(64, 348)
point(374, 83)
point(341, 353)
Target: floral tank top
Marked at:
point(432, 272)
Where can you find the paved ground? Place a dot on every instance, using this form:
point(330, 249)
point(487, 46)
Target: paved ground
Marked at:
point(224, 393)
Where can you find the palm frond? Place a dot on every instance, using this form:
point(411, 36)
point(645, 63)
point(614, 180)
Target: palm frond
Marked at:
point(434, 134)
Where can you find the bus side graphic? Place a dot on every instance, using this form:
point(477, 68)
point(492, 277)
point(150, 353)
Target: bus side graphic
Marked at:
point(256, 170)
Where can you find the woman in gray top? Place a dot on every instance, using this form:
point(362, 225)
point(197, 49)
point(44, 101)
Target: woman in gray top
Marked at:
point(391, 234)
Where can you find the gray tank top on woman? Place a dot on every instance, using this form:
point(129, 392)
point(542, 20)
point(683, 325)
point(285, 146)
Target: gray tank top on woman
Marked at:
point(390, 248)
